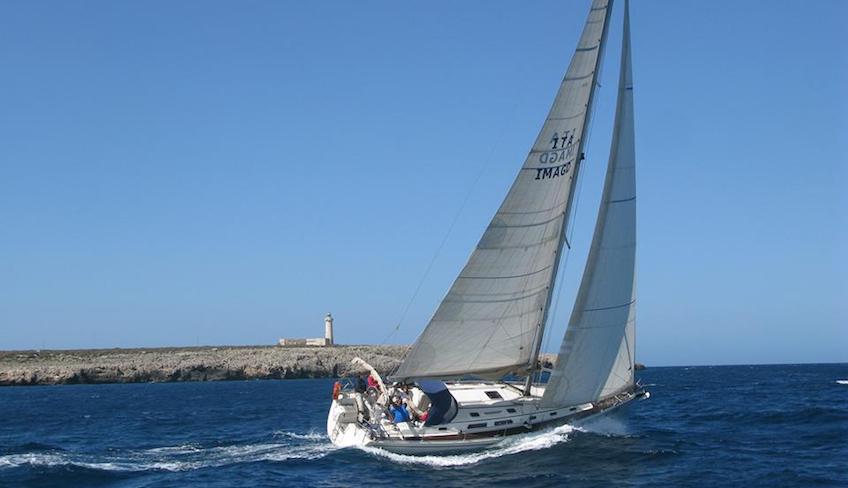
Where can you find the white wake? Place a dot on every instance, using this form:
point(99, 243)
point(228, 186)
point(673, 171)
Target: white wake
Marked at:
point(180, 458)
point(842, 382)
point(509, 446)
point(309, 436)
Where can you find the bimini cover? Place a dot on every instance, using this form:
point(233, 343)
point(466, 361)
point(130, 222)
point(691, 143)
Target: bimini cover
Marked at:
point(442, 404)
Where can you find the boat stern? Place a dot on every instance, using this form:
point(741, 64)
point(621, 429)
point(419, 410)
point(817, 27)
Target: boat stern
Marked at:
point(343, 429)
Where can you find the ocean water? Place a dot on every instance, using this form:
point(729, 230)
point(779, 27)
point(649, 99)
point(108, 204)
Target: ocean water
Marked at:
point(703, 426)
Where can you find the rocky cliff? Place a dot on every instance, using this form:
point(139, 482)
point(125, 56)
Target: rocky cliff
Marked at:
point(20, 368)
point(188, 364)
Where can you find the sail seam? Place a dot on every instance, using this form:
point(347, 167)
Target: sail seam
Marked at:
point(500, 318)
point(504, 212)
point(569, 117)
point(588, 327)
point(504, 277)
point(622, 200)
point(577, 78)
point(522, 246)
point(521, 226)
point(513, 299)
point(609, 308)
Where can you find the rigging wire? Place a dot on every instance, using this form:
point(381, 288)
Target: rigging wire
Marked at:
point(561, 277)
point(483, 169)
point(570, 234)
point(477, 178)
point(545, 341)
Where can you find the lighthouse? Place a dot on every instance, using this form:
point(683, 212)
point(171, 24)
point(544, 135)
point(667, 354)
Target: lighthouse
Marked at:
point(328, 329)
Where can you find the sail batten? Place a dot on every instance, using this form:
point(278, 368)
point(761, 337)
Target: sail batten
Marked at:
point(491, 320)
point(596, 359)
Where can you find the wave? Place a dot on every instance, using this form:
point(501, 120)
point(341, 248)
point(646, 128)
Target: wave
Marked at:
point(185, 457)
point(310, 436)
point(788, 414)
point(607, 426)
point(184, 449)
point(29, 447)
point(508, 447)
point(842, 382)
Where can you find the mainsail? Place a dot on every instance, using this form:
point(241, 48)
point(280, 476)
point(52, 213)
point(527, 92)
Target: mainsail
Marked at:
point(596, 357)
point(491, 321)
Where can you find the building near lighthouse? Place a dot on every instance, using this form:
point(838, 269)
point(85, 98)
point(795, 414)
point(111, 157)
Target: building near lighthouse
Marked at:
point(325, 341)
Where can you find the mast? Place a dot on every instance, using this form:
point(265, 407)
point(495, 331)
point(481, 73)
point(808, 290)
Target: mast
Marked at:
point(492, 319)
point(540, 331)
point(596, 358)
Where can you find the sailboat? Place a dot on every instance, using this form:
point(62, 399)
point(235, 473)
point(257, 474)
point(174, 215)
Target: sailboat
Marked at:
point(489, 326)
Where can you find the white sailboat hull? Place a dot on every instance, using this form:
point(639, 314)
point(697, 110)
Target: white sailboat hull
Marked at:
point(477, 425)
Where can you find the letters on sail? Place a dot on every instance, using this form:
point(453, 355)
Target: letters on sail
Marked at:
point(491, 320)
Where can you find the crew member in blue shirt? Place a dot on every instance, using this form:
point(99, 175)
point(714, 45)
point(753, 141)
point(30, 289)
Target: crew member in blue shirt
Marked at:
point(399, 411)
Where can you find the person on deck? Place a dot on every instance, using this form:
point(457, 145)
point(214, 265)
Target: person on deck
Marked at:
point(359, 390)
point(361, 386)
point(421, 401)
point(406, 397)
point(399, 411)
point(372, 383)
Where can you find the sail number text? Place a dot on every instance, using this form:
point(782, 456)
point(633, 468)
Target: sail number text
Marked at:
point(561, 155)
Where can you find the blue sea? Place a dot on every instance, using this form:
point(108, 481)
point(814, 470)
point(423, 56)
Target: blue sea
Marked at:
point(734, 426)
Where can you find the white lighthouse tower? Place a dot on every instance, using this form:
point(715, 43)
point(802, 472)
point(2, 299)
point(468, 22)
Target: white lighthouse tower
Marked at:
point(328, 329)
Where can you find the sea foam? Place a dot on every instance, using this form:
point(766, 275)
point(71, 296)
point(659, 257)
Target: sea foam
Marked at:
point(509, 446)
point(178, 458)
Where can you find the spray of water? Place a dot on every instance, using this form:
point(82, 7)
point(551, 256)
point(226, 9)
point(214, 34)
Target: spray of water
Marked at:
point(510, 446)
point(607, 425)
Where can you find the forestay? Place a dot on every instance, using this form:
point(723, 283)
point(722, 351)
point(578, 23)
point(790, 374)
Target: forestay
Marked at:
point(491, 320)
point(596, 358)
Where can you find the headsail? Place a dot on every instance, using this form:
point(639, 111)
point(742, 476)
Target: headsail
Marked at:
point(596, 358)
point(491, 320)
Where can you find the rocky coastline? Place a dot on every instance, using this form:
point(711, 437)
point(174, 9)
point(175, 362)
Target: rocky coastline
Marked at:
point(90, 366)
point(206, 363)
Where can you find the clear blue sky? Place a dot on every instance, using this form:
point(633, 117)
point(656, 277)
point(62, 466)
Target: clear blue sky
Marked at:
point(174, 173)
